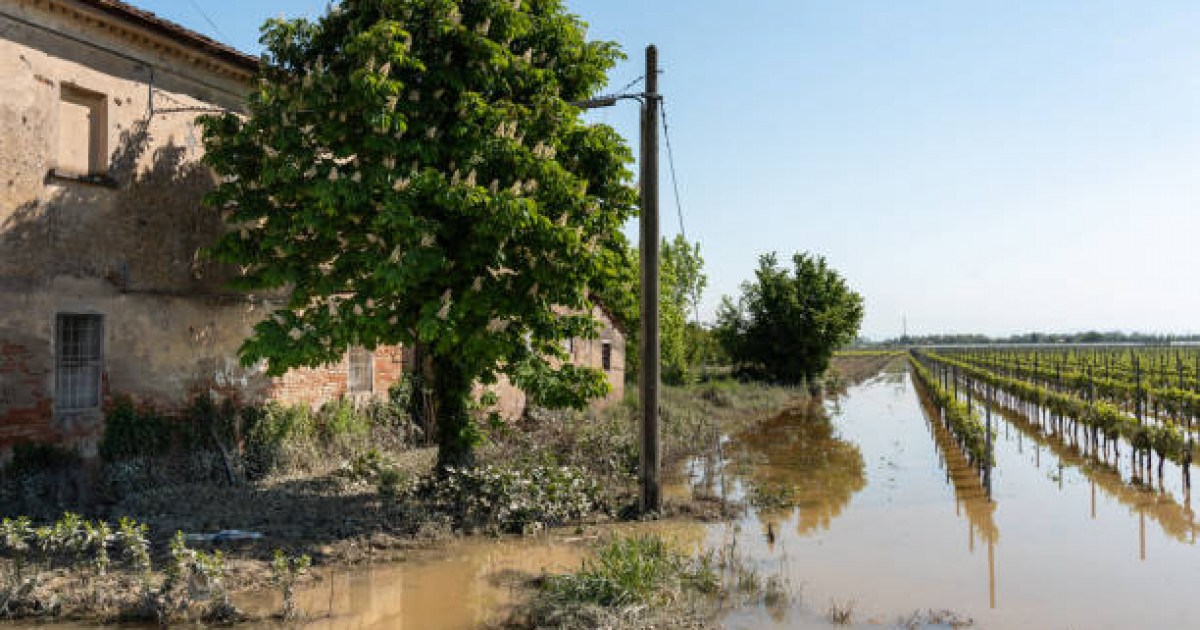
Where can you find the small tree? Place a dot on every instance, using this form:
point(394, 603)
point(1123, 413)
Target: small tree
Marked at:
point(681, 282)
point(786, 325)
point(411, 172)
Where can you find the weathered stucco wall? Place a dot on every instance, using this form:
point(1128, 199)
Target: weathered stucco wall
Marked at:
point(125, 246)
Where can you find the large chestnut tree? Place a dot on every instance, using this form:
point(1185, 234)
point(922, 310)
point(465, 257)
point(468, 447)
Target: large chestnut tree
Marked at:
point(412, 172)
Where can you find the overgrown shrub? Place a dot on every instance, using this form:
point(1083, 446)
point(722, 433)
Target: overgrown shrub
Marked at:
point(513, 499)
point(212, 440)
point(35, 457)
point(130, 432)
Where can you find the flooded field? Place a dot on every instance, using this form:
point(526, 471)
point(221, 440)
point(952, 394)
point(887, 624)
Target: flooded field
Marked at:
point(887, 520)
point(893, 520)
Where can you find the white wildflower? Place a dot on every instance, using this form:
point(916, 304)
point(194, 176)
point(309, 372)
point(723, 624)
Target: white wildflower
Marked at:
point(471, 178)
point(477, 284)
point(358, 309)
point(356, 177)
point(400, 184)
point(427, 240)
point(295, 334)
point(444, 312)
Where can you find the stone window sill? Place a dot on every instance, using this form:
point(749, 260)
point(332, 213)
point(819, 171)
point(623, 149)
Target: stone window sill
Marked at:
point(62, 175)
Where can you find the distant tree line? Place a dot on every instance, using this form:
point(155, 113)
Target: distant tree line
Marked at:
point(1091, 336)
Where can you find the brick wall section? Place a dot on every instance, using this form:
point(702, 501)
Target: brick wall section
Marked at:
point(316, 386)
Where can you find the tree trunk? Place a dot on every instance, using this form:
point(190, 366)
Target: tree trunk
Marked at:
point(456, 433)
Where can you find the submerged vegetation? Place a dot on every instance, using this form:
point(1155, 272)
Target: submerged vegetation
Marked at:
point(646, 581)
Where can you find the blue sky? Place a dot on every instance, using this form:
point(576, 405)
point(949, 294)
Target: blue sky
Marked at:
point(989, 166)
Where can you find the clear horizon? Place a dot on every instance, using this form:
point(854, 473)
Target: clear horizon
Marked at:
point(991, 168)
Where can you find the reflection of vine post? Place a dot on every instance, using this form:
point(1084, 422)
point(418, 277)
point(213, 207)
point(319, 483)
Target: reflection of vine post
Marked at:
point(992, 573)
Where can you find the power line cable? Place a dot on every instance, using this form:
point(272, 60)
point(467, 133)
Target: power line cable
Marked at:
point(671, 162)
point(631, 84)
point(682, 227)
point(208, 19)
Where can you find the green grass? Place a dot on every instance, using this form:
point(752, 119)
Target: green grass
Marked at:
point(634, 570)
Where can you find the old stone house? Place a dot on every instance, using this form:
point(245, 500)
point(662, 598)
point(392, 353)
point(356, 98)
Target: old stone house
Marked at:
point(102, 288)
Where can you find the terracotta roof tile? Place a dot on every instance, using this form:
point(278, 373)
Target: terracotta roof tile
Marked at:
point(174, 31)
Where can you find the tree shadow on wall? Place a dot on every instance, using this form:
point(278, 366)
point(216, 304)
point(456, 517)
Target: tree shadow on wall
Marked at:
point(145, 230)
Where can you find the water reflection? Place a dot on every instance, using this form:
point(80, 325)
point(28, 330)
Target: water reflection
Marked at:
point(801, 452)
point(1176, 520)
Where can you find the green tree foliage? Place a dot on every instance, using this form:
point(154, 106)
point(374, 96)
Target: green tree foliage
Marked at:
point(681, 282)
point(786, 324)
point(411, 172)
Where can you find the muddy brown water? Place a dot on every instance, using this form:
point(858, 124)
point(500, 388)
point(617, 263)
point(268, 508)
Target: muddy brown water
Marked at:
point(888, 517)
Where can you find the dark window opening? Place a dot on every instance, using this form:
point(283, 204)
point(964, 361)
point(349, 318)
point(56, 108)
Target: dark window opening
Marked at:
point(606, 355)
point(78, 361)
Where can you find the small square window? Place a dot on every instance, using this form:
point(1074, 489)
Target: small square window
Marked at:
point(362, 371)
point(606, 355)
point(82, 132)
point(78, 361)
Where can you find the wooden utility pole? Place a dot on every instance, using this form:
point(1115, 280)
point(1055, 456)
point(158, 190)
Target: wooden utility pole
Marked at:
point(651, 488)
point(649, 477)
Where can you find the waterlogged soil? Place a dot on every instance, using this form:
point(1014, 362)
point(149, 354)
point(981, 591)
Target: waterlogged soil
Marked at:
point(882, 520)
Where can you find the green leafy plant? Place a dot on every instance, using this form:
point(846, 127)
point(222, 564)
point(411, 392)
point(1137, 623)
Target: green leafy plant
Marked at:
point(787, 323)
point(414, 173)
point(15, 535)
point(516, 499)
point(286, 571)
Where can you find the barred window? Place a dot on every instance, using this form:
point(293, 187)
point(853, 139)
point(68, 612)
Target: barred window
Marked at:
point(362, 370)
point(606, 355)
point(78, 352)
